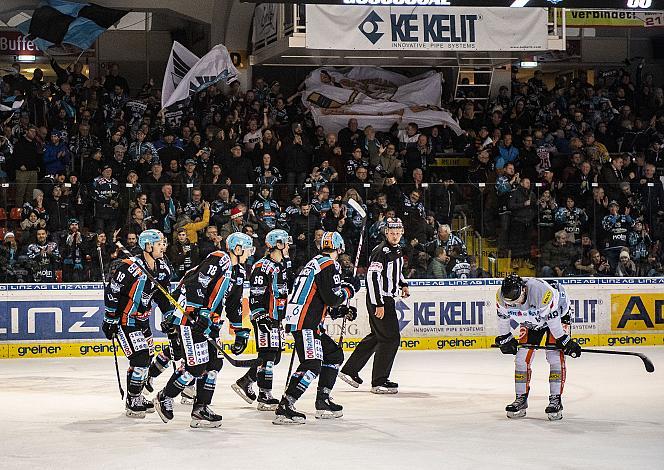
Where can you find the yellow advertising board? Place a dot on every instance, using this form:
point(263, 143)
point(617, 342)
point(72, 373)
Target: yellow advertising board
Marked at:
point(611, 18)
point(637, 312)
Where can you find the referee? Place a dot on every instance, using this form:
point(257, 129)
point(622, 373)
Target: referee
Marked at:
point(384, 279)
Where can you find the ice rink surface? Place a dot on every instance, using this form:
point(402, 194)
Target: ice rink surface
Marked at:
point(67, 414)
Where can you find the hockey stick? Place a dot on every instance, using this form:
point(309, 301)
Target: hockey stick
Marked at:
point(646, 362)
point(290, 368)
point(360, 210)
point(117, 369)
point(232, 361)
point(115, 335)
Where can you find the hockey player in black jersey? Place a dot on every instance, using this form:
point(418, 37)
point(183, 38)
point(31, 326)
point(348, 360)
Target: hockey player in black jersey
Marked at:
point(205, 290)
point(269, 281)
point(128, 298)
point(317, 290)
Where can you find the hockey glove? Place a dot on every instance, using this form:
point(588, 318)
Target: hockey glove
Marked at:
point(343, 311)
point(354, 281)
point(241, 340)
point(569, 346)
point(214, 330)
point(263, 321)
point(109, 329)
point(348, 288)
point(201, 324)
point(264, 325)
point(507, 344)
point(167, 327)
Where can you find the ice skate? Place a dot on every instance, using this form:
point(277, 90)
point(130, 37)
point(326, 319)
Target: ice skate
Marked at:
point(149, 384)
point(202, 416)
point(353, 380)
point(327, 409)
point(244, 387)
point(149, 406)
point(164, 407)
point(555, 409)
point(517, 409)
point(266, 402)
point(188, 395)
point(134, 406)
point(386, 388)
point(287, 414)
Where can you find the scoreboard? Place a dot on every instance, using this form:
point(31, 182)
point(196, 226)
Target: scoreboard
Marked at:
point(641, 5)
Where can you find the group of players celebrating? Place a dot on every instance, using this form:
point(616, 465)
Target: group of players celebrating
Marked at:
point(192, 321)
point(281, 302)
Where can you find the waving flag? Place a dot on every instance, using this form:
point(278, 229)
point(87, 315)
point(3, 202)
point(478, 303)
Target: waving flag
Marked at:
point(179, 64)
point(61, 24)
point(213, 67)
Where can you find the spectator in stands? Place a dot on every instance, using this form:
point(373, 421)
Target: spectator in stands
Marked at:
point(558, 256)
point(182, 253)
point(626, 267)
point(350, 136)
point(45, 257)
point(27, 161)
point(437, 268)
point(387, 164)
point(298, 158)
point(522, 205)
point(211, 242)
point(593, 265)
point(571, 219)
point(616, 227)
point(611, 176)
point(507, 153)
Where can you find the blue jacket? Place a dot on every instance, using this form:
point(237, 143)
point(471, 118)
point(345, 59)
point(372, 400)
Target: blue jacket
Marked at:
point(506, 155)
point(53, 163)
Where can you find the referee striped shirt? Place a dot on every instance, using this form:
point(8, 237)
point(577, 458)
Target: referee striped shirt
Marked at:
point(385, 274)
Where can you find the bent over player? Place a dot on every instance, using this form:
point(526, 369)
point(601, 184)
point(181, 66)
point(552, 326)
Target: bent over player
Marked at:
point(269, 281)
point(128, 298)
point(214, 284)
point(317, 288)
point(537, 308)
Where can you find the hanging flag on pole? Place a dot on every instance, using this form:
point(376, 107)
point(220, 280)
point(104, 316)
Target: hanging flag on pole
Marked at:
point(213, 67)
point(179, 64)
point(65, 25)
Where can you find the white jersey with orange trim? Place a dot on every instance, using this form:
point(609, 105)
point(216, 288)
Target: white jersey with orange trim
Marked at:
point(545, 304)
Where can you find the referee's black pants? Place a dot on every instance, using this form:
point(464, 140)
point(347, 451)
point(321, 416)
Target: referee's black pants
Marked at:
point(383, 340)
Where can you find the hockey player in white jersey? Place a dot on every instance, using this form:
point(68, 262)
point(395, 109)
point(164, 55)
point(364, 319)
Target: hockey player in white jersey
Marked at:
point(534, 308)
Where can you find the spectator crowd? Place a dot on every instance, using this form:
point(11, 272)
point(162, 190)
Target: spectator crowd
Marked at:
point(565, 179)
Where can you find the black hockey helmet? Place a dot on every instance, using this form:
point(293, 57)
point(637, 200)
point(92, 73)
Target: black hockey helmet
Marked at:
point(511, 287)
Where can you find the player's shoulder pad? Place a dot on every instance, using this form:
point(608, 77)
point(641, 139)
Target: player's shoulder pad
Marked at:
point(546, 293)
point(325, 262)
point(221, 258)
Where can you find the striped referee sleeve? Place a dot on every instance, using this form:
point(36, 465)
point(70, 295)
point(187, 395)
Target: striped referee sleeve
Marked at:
point(374, 283)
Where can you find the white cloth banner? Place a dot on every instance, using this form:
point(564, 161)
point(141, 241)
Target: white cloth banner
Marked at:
point(375, 97)
point(179, 63)
point(343, 27)
point(213, 67)
point(265, 22)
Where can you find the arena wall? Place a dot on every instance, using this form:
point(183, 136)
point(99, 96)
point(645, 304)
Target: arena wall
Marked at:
point(55, 320)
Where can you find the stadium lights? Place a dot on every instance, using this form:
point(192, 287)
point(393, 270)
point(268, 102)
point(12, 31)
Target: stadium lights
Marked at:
point(528, 64)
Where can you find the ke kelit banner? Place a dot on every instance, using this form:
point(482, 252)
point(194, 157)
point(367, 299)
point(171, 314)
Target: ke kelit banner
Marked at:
point(426, 28)
point(439, 314)
point(611, 18)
